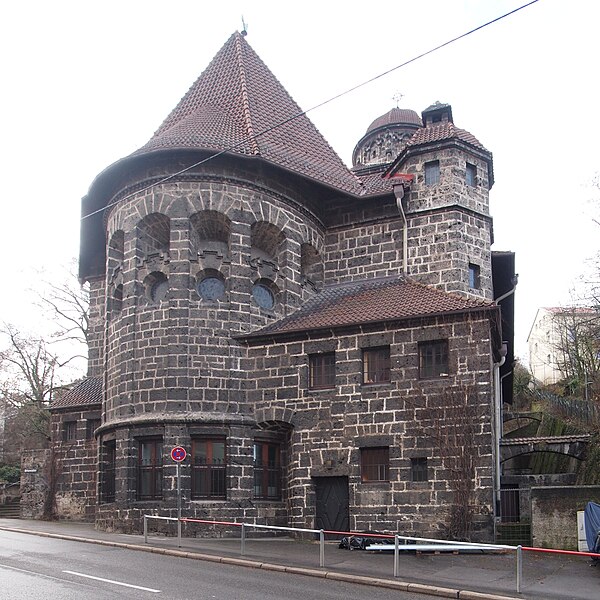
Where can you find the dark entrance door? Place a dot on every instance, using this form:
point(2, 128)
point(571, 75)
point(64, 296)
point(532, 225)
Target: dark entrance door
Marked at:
point(332, 510)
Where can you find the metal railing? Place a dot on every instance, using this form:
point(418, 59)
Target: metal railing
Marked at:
point(518, 550)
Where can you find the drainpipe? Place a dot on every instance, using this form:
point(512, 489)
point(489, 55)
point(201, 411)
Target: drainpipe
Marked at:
point(498, 407)
point(399, 193)
point(498, 429)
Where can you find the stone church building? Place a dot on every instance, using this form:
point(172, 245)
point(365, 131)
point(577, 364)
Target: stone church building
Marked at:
point(323, 341)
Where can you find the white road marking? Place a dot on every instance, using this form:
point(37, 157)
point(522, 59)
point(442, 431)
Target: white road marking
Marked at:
point(36, 573)
point(129, 585)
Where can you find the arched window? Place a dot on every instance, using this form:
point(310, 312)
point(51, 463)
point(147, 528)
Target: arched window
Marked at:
point(210, 230)
point(154, 234)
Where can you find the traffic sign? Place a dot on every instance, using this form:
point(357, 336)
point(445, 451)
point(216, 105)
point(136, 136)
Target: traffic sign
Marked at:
point(178, 454)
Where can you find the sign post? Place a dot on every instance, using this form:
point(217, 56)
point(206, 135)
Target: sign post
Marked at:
point(178, 454)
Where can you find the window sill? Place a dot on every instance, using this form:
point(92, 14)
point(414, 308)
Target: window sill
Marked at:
point(377, 484)
point(378, 384)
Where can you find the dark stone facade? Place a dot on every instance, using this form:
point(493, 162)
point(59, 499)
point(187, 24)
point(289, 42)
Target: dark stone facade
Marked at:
point(199, 263)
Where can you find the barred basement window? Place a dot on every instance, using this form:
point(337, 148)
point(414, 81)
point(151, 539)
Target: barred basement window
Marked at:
point(208, 468)
point(374, 464)
point(150, 469)
point(433, 359)
point(322, 370)
point(267, 471)
point(418, 469)
point(69, 431)
point(376, 365)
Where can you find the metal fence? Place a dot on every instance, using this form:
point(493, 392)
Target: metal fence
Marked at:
point(400, 542)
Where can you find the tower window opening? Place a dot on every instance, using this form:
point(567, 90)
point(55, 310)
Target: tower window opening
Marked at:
point(432, 172)
point(474, 276)
point(471, 175)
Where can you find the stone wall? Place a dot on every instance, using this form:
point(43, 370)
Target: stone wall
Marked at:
point(75, 463)
point(329, 427)
point(554, 514)
point(35, 482)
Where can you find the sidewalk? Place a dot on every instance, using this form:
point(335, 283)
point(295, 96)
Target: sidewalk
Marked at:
point(464, 576)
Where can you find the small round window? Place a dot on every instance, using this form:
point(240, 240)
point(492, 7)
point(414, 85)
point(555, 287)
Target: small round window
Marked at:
point(263, 296)
point(158, 290)
point(211, 288)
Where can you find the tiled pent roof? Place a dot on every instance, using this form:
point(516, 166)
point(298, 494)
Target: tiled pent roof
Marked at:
point(371, 301)
point(88, 391)
point(235, 103)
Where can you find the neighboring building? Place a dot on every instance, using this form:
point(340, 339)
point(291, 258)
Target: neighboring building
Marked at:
point(324, 342)
point(553, 337)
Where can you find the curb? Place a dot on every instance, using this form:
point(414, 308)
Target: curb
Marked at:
point(417, 588)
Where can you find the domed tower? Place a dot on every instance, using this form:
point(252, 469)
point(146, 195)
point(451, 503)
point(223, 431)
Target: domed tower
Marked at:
point(213, 229)
point(385, 138)
point(449, 227)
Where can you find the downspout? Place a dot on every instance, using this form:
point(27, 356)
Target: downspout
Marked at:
point(498, 408)
point(498, 429)
point(399, 193)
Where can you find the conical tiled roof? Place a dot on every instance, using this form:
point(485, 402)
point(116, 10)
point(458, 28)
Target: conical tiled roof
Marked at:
point(238, 105)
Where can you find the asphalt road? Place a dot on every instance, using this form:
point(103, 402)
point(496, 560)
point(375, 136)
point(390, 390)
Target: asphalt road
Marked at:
point(35, 568)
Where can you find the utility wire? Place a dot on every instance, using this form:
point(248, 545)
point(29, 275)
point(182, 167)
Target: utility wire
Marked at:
point(315, 107)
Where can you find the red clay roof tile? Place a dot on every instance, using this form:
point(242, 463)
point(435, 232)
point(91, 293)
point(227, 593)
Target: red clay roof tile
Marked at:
point(88, 391)
point(238, 105)
point(443, 131)
point(371, 301)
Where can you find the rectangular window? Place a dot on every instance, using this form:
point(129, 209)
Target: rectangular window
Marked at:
point(471, 176)
point(108, 471)
point(474, 276)
point(90, 426)
point(150, 470)
point(208, 468)
point(432, 172)
point(433, 359)
point(322, 370)
point(418, 469)
point(376, 365)
point(374, 464)
point(267, 471)
point(69, 431)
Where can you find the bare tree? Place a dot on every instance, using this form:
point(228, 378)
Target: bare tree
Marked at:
point(67, 304)
point(29, 379)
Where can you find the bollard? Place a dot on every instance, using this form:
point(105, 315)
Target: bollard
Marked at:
point(321, 548)
point(145, 529)
point(519, 567)
point(396, 555)
point(243, 540)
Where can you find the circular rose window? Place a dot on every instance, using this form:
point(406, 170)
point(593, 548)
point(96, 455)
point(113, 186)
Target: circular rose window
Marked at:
point(211, 288)
point(263, 296)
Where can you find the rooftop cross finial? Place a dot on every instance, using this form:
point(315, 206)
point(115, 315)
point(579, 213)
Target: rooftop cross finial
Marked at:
point(244, 27)
point(397, 97)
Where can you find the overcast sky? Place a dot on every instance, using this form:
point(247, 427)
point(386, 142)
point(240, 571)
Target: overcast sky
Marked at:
point(86, 83)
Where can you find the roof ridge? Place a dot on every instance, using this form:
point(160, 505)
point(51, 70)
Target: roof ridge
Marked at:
point(247, 115)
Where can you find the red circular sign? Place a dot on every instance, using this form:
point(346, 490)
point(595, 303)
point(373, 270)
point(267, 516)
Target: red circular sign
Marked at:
point(178, 454)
